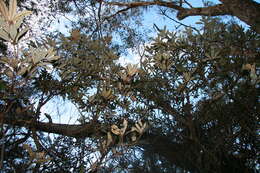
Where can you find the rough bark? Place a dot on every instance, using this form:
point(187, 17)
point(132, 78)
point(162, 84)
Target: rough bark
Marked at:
point(77, 131)
point(153, 142)
point(175, 153)
point(247, 11)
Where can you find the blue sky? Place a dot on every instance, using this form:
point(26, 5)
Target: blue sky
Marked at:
point(66, 109)
point(153, 16)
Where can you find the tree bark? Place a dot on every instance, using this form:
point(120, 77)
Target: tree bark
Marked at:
point(175, 153)
point(76, 131)
point(247, 11)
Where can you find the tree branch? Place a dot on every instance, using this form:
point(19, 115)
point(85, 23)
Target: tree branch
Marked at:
point(77, 131)
point(246, 10)
point(143, 3)
point(182, 12)
point(216, 10)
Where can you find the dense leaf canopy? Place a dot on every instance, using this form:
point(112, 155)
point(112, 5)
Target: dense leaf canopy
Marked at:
point(191, 103)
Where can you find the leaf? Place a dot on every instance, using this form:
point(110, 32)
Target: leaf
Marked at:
point(51, 55)
point(75, 34)
point(21, 34)
point(213, 54)
point(115, 130)
point(2, 85)
point(187, 76)
point(50, 51)
point(247, 67)
point(107, 94)
point(18, 23)
point(180, 68)
point(2, 20)
point(118, 131)
point(133, 137)
point(12, 32)
point(21, 15)
point(18, 110)
point(180, 88)
point(132, 69)
point(4, 60)
point(45, 65)
point(3, 9)
point(9, 73)
point(199, 23)
point(134, 129)
point(133, 98)
point(40, 157)
point(124, 127)
point(109, 139)
point(22, 70)
point(253, 75)
point(12, 8)
point(139, 127)
point(4, 35)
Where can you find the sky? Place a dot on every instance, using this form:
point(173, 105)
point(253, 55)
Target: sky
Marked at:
point(65, 110)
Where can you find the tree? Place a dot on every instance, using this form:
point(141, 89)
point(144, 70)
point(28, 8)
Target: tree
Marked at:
point(192, 105)
point(246, 10)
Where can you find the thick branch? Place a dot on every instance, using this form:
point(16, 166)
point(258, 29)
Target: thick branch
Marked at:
point(77, 131)
point(176, 153)
point(246, 10)
point(216, 10)
point(182, 12)
point(143, 3)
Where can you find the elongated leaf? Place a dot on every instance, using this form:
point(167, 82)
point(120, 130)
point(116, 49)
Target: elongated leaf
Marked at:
point(44, 65)
point(12, 32)
point(54, 58)
point(4, 35)
point(51, 51)
point(21, 34)
point(2, 21)
point(18, 23)
point(21, 15)
point(124, 127)
point(9, 73)
point(109, 139)
point(3, 9)
point(12, 9)
point(137, 127)
point(115, 129)
point(2, 87)
point(133, 137)
point(22, 70)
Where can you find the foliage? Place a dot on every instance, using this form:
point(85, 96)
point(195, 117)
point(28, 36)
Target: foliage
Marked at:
point(192, 104)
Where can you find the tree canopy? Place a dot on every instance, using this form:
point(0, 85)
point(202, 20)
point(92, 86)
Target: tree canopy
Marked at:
point(191, 103)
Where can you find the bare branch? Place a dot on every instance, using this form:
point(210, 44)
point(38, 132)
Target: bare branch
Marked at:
point(246, 10)
point(216, 10)
point(182, 12)
point(143, 3)
point(182, 24)
point(77, 131)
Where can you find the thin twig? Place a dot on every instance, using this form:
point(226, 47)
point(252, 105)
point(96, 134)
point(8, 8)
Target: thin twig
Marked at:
point(188, 4)
point(182, 24)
